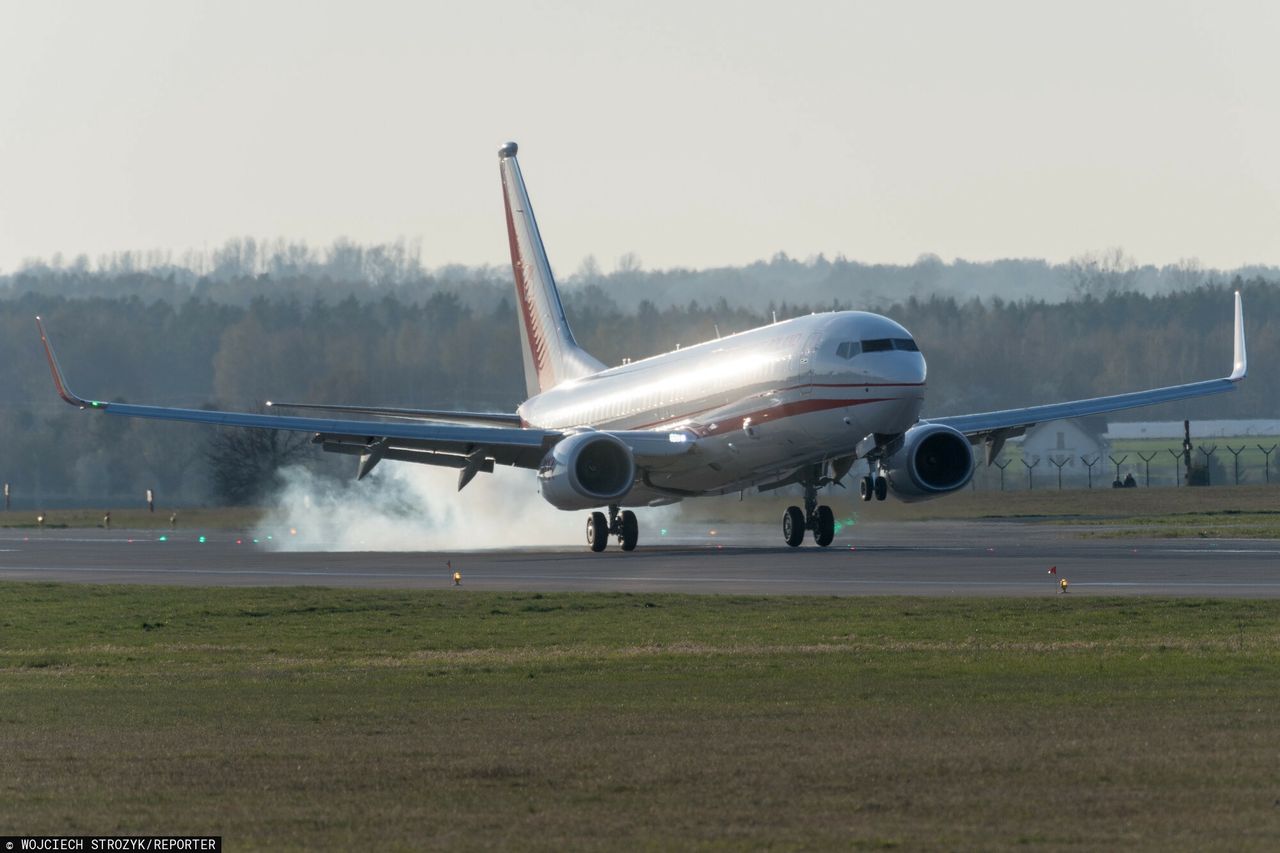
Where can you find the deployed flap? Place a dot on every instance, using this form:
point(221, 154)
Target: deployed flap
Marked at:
point(482, 418)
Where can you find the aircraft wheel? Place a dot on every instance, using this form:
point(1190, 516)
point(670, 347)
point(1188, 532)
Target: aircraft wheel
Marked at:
point(630, 530)
point(866, 488)
point(882, 488)
point(826, 527)
point(793, 526)
point(597, 531)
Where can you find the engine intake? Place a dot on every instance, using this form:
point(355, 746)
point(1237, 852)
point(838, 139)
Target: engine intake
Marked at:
point(585, 470)
point(933, 460)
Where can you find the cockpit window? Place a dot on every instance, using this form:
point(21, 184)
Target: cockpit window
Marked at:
point(848, 349)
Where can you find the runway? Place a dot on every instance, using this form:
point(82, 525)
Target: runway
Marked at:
point(916, 558)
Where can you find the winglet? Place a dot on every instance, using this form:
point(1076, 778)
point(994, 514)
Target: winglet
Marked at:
point(58, 382)
point(1240, 365)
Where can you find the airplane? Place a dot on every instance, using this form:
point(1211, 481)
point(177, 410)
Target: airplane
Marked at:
point(796, 402)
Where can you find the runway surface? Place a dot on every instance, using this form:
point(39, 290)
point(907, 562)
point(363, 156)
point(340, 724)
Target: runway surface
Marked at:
point(917, 558)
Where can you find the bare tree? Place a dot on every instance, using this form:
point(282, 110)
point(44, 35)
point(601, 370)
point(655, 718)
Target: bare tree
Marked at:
point(243, 462)
point(1098, 275)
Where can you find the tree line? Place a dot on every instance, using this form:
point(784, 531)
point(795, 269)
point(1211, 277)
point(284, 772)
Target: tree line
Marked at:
point(447, 348)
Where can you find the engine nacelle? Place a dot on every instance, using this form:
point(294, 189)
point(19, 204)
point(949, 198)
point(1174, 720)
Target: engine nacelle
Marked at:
point(933, 460)
point(586, 470)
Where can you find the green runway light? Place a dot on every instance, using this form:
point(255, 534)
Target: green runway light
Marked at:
point(663, 531)
point(201, 540)
point(164, 538)
point(255, 542)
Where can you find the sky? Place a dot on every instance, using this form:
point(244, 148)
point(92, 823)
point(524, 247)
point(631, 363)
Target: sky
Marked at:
point(691, 134)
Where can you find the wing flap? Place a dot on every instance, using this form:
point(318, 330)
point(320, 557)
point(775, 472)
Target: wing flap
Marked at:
point(443, 415)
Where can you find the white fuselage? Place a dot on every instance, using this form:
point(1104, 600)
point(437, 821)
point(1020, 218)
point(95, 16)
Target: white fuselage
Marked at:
point(761, 402)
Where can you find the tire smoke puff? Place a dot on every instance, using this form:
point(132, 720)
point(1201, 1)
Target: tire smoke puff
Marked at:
point(405, 507)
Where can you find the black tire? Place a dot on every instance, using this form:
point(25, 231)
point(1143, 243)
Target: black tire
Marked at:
point(882, 488)
point(793, 526)
point(597, 531)
point(630, 530)
point(866, 488)
point(826, 527)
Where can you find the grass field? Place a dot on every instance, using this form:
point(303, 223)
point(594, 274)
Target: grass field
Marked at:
point(311, 718)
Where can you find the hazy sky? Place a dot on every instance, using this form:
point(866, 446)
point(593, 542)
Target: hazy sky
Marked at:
point(689, 133)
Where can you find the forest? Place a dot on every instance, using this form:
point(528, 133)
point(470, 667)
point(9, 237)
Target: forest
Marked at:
point(381, 330)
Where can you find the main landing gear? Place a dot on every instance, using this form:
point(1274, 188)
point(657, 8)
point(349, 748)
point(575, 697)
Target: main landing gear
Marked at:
point(621, 524)
point(873, 487)
point(820, 519)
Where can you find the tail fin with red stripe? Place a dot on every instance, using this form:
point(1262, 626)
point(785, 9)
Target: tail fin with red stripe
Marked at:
point(551, 355)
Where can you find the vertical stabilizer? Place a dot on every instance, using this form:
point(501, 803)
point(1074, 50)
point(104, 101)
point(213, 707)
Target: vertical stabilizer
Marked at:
point(551, 355)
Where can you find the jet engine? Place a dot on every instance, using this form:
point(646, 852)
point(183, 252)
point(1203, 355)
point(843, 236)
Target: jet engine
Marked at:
point(932, 460)
point(585, 470)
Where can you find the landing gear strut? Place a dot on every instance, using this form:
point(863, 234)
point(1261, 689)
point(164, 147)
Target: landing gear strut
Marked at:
point(621, 524)
point(820, 519)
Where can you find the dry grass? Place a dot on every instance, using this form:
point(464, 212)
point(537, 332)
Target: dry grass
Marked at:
point(311, 719)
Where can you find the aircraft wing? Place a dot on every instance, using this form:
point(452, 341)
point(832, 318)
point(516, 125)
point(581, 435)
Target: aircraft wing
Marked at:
point(471, 449)
point(994, 427)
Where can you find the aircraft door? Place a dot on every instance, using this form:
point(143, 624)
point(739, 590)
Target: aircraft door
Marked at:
point(808, 355)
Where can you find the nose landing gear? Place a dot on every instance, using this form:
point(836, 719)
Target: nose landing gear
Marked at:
point(621, 524)
point(820, 519)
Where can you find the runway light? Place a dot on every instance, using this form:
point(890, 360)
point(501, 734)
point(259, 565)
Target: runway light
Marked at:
point(457, 578)
point(255, 542)
point(164, 538)
point(293, 531)
point(239, 542)
point(712, 532)
point(662, 532)
point(268, 537)
point(1063, 583)
point(202, 540)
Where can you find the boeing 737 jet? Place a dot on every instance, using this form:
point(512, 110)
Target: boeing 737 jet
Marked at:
point(798, 402)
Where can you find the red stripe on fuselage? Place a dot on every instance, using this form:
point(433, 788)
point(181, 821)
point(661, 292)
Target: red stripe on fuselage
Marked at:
point(678, 418)
point(772, 414)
